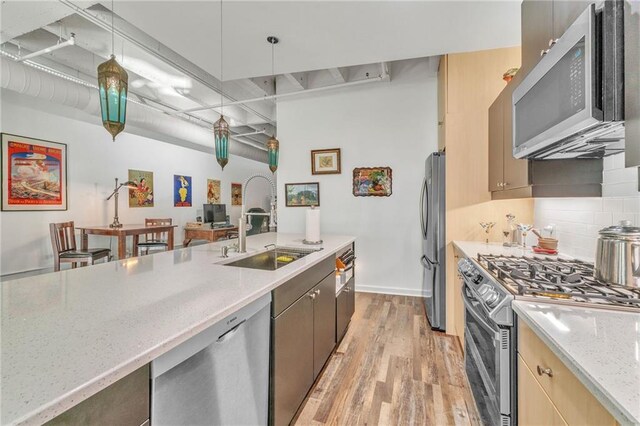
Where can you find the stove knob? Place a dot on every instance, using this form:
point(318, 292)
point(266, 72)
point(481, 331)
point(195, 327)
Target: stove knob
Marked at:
point(492, 298)
point(477, 279)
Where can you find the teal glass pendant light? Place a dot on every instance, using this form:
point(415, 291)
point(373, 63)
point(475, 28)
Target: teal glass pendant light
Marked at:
point(273, 145)
point(221, 134)
point(273, 148)
point(113, 84)
point(221, 127)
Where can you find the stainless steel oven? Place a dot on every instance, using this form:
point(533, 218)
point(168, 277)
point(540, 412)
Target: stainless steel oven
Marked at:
point(490, 345)
point(571, 104)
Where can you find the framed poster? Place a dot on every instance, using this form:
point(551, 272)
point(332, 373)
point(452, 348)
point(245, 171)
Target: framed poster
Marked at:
point(34, 174)
point(236, 194)
point(182, 191)
point(142, 194)
point(302, 194)
point(213, 191)
point(325, 161)
point(372, 181)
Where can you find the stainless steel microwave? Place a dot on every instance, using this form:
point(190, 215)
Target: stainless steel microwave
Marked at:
point(571, 104)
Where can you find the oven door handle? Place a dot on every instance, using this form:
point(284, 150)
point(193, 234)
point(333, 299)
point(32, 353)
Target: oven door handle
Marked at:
point(470, 308)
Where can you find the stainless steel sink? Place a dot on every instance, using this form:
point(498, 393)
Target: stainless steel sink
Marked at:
point(272, 259)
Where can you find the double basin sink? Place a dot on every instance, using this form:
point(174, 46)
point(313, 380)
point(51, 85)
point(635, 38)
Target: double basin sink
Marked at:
point(273, 259)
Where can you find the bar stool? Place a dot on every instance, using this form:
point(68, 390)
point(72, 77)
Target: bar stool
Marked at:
point(63, 241)
point(155, 240)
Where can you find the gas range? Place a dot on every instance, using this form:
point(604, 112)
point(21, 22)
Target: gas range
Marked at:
point(557, 280)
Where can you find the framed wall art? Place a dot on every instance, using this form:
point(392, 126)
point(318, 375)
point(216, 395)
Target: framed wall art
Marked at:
point(182, 191)
point(34, 174)
point(236, 194)
point(142, 195)
point(325, 161)
point(213, 191)
point(372, 182)
point(302, 194)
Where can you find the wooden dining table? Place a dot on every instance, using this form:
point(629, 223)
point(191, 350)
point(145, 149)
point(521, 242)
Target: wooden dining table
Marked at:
point(123, 232)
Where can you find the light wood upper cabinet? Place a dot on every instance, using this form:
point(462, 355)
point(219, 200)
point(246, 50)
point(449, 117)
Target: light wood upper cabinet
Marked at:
point(442, 103)
point(496, 142)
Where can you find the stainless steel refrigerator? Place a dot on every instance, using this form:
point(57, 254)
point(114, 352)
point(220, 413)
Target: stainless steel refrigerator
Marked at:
point(432, 222)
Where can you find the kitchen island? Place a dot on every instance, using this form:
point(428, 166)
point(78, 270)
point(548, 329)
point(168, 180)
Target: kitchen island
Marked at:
point(68, 335)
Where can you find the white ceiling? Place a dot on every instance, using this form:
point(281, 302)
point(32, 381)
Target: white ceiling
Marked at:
point(321, 34)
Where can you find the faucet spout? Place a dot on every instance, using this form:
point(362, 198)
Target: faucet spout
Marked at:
point(242, 228)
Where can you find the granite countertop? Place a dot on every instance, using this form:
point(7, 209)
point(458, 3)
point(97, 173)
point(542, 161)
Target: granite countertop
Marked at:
point(68, 335)
point(601, 347)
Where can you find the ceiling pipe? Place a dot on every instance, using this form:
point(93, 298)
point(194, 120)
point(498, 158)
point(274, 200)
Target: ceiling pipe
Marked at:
point(382, 77)
point(24, 78)
point(257, 132)
point(70, 42)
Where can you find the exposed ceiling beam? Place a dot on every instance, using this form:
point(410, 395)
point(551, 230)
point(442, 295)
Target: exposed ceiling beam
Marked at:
point(297, 80)
point(339, 75)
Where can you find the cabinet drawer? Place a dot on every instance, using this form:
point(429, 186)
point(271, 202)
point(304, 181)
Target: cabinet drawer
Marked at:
point(534, 406)
point(574, 402)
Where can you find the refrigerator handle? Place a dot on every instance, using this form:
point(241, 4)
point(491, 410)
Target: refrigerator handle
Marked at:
point(425, 262)
point(423, 225)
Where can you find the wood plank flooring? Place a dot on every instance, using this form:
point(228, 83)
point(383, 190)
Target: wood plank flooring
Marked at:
point(391, 369)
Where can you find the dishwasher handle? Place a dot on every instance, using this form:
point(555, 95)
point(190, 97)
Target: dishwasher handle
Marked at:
point(229, 333)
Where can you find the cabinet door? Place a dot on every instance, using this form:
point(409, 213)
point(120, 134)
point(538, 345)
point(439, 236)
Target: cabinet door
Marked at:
point(515, 172)
point(458, 304)
point(442, 102)
point(534, 407)
point(496, 135)
point(292, 360)
point(324, 322)
point(565, 13)
point(537, 30)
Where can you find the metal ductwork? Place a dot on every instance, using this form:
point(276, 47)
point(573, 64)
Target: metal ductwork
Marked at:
point(30, 81)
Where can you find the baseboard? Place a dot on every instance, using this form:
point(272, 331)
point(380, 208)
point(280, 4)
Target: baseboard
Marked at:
point(390, 290)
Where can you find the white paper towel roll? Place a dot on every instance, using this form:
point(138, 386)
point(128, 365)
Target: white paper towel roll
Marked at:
point(313, 225)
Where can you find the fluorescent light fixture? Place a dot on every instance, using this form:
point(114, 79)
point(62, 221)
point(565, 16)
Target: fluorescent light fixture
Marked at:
point(70, 42)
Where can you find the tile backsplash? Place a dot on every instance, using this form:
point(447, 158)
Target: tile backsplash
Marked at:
point(578, 220)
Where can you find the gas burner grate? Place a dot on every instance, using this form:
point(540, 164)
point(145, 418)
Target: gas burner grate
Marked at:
point(566, 279)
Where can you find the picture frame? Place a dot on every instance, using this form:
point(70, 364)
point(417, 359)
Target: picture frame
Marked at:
point(236, 194)
point(326, 162)
point(305, 194)
point(372, 182)
point(213, 191)
point(34, 174)
point(182, 191)
point(143, 194)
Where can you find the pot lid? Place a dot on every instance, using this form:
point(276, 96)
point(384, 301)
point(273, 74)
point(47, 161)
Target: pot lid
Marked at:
point(623, 229)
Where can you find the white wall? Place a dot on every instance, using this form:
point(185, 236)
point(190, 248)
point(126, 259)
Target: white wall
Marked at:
point(578, 220)
point(93, 163)
point(382, 124)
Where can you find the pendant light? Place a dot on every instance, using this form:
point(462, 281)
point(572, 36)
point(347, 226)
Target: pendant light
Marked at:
point(273, 145)
point(113, 83)
point(221, 127)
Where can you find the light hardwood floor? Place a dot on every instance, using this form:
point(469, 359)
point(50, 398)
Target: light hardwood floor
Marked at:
point(391, 369)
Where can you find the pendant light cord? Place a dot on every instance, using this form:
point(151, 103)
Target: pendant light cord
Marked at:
point(113, 43)
point(221, 64)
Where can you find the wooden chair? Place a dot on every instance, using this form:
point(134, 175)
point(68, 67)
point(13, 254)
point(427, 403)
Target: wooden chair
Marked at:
point(155, 240)
point(63, 241)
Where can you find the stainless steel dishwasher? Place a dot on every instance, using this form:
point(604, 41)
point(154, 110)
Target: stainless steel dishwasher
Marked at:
point(218, 377)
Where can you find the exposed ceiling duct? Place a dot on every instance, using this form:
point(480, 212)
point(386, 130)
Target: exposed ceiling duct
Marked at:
point(30, 81)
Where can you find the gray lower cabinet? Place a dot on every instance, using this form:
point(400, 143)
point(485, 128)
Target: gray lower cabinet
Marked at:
point(345, 306)
point(125, 402)
point(302, 337)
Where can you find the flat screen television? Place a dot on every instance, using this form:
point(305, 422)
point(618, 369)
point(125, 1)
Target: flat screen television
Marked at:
point(214, 213)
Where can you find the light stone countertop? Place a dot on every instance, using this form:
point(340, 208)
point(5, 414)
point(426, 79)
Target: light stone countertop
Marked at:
point(67, 335)
point(600, 346)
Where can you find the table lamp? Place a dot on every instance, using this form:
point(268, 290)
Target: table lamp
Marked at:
point(129, 184)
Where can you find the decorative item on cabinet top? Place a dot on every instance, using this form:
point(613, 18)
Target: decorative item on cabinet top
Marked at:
point(302, 194)
point(372, 182)
point(34, 174)
point(325, 161)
